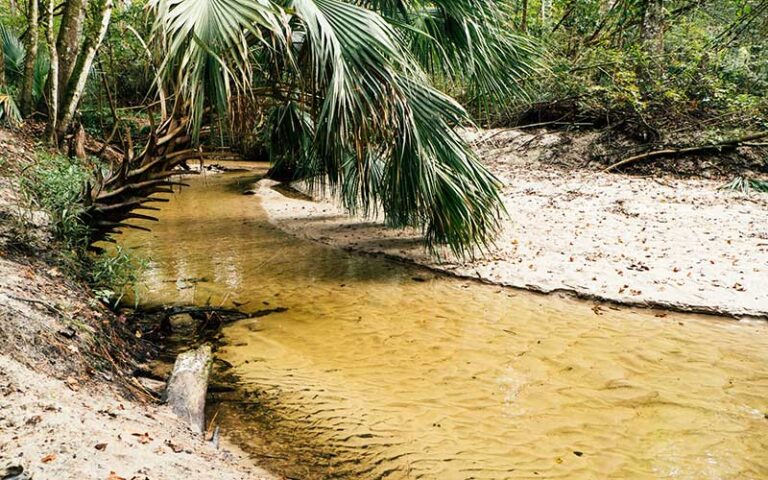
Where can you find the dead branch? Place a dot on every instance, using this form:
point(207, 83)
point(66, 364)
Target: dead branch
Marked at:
point(680, 151)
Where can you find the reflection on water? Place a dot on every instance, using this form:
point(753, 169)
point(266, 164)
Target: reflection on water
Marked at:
point(379, 370)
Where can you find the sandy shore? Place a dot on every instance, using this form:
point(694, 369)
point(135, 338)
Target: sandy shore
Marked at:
point(667, 242)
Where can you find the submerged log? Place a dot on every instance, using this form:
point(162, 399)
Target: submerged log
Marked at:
point(188, 385)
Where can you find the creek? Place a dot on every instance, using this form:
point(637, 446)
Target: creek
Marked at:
point(368, 368)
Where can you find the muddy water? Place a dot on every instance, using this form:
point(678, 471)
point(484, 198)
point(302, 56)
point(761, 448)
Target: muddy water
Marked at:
point(379, 370)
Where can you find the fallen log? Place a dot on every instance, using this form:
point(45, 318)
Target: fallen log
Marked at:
point(728, 144)
point(188, 386)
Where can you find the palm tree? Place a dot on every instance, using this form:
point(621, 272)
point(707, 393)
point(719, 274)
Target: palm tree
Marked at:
point(346, 90)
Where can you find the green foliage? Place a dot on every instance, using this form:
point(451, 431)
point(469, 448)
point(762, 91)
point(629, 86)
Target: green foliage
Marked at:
point(113, 273)
point(605, 70)
point(124, 64)
point(745, 185)
point(9, 111)
point(42, 67)
point(14, 53)
point(55, 184)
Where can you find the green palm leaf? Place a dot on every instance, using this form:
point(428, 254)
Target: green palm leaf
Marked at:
point(14, 52)
point(206, 43)
point(382, 125)
point(352, 106)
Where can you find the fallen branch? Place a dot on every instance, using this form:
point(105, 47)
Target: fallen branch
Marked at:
point(728, 144)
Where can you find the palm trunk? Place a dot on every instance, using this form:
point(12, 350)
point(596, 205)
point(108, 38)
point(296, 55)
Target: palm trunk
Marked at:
point(79, 77)
point(30, 58)
point(53, 77)
point(134, 181)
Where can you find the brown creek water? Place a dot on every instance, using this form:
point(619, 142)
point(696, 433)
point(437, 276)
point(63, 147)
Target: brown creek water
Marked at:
point(383, 370)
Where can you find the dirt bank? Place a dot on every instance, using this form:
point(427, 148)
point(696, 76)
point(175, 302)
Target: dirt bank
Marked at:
point(92, 432)
point(680, 243)
point(69, 408)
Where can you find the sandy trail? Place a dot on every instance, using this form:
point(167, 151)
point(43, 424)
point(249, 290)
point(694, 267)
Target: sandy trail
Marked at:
point(678, 243)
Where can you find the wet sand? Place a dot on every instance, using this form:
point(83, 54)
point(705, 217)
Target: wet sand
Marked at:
point(683, 244)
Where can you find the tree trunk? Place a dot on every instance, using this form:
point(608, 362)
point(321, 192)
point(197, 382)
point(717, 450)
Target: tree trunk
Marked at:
point(188, 385)
point(79, 77)
point(53, 78)
point(653, 26)
point(28, 82)
point(2, 68)
point(546, 7)
point(69, 41)
point(134, 181)
point(524, 19)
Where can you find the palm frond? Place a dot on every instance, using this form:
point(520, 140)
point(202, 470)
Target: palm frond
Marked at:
point(42, 67)
point(471, 43)
point(352, 107)
point(289, 133)
point(382, 124)
point(745, 185)
point(206, 43)
point(14, 52)
point(9, 111)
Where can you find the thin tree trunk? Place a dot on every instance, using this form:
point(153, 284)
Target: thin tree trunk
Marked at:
point(2, 68)
point(524, 20)
point(53, 77)
point(30, 58)
point(653, 26)
point(546, 6)
point(652, 33)
point(79, 77)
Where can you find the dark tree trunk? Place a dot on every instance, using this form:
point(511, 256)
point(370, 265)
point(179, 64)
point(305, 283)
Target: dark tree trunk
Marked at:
point(2, 68)
point(524, 19)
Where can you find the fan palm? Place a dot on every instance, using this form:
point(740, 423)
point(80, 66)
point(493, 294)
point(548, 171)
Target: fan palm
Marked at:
point(13, 55)
point(351, 99)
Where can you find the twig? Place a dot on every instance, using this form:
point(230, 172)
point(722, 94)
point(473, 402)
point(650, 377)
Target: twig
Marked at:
point(34, 300)
point(543, 124)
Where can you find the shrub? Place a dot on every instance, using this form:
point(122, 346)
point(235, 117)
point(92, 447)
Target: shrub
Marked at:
point(56, 184)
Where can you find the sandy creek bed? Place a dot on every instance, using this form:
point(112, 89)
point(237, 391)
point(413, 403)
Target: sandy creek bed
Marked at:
point(383, 370)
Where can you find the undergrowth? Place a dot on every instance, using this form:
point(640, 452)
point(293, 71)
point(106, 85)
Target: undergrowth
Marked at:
point(56, 184)
point(745, 185)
